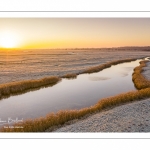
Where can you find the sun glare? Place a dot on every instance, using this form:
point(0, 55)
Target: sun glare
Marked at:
point(8, 40)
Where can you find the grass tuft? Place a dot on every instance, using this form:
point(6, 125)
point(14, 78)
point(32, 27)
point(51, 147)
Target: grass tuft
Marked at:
point(139, 80)
point(70, 76)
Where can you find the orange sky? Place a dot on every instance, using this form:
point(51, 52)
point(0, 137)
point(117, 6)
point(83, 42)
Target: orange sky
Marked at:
point(74, 32)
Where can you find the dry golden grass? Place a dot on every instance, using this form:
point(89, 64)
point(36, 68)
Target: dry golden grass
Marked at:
point(70, 76)
point(107, 65)
point(61, 117)
point(138, 79)
point(14, 88)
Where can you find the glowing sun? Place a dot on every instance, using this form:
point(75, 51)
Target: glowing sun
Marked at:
point(8, 40)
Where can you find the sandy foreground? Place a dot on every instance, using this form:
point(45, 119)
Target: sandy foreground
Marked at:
point(132, 117)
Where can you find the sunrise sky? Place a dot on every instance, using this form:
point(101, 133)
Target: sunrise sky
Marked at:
point(73, 32)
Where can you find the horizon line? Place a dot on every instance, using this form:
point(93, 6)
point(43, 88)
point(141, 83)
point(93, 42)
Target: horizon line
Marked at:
point(74, 48)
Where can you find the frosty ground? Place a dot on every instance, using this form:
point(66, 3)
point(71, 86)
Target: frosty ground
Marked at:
point(35, 64)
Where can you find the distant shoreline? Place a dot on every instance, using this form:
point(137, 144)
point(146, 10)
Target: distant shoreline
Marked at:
point(82, 48)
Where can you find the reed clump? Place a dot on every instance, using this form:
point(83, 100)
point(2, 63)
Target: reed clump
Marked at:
point(21, 86)
point(70, 76)
point(139, 80)
point(61, 117)
point(107, 65)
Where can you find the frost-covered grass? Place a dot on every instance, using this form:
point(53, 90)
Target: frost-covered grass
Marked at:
point(36, 64)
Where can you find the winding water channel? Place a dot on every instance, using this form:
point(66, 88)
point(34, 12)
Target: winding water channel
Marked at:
point(78, 93)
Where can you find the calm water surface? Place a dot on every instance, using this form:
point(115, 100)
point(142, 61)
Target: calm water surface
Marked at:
point(84, 91)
